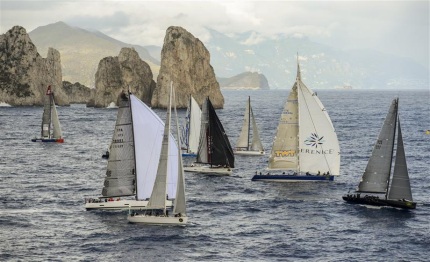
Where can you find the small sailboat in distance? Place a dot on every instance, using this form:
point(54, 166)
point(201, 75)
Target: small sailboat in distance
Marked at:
point(215, 155)
point(156, 211)
point(306, 143)
point(191, 130)
point(249, 142)
point(376, 177)
point(51, 129)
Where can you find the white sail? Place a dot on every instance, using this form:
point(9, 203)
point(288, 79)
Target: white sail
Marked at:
point(202, 154)
point(400, 186)
point(243, 141)
point(319, 147)
point(56, 128)
point(256, 144)
point(194, 128)
point(180, 202)
point(284, 154)
point(158, 196)
point(148, 132)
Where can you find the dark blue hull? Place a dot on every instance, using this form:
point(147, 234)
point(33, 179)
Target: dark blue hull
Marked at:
point(189, 155)
point(57, 140)
point(292, 178)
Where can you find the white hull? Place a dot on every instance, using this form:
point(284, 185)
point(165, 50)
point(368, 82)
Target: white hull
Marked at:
point(221, 171)
point(249, 153)
point(157, 220)
point(120, 205)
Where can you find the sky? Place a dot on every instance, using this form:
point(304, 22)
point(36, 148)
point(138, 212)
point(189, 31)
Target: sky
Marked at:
point(391, 27)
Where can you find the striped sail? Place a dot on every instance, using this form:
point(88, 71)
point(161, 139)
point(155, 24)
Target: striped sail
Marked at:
point(120, 174)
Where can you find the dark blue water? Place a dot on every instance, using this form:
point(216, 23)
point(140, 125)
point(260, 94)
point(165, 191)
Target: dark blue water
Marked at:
point(42, 215)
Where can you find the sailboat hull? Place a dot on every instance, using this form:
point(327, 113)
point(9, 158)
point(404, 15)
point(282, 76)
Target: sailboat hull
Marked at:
point(220, 171)
point(56, 140)
point(158, 220)
point(292, 178)
point(189, 154)
point(376, 201)
point(249, 153)
point(120, 205)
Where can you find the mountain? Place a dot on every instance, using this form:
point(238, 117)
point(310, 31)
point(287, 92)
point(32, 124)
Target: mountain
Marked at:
point(246, 80)
point(81, 50)
point(322, 66)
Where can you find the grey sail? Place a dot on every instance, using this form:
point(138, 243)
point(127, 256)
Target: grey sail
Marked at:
point(202, 154)
point(376, 176)
point(120, 174)
point(180, 202)
point(400, 186)
point(56, 127)
point(158, 196)
point(256, 144)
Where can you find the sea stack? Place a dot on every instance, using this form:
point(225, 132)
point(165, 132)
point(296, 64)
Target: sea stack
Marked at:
point(185, 61)
point(122, 73)
point(24, 74)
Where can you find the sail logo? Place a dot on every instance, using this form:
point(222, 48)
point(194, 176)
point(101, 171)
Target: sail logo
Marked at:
point(314, 140)
point(285, 153)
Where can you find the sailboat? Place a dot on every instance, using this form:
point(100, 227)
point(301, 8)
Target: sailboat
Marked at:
point(134, 153)
point(305, 147)
point(376, 177)
point(249, 142)
point(191, 130)
point(51, 129)
point(215, 154)
point(156, 211)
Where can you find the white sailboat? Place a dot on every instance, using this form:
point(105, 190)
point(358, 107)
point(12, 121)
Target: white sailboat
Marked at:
point(376, 177)
point(305, 147)
point(156, 211)
point(51, 129)
point(215, 155)
point(134, 154)
point(249, 142)
point(191, 131)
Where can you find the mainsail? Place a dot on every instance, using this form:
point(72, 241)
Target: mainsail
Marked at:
point(249, 138)
point(214, 146)
point(192, 126)
point(377, 173)
point(120, 174)
point(305, 140)
point(56, 128)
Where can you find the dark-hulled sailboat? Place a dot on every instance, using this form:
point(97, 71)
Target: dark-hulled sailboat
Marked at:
point(215, 154)
point(376, 177)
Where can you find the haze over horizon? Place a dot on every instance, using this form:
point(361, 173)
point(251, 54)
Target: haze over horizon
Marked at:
point(400, 28)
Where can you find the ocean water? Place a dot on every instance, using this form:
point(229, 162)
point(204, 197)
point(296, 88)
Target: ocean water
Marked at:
point(43, 186)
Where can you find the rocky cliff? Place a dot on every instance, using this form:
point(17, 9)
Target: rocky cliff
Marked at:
point(123, 72)
point(78, 93)
point(24, 74)
point(185, 61)
point(246, 80)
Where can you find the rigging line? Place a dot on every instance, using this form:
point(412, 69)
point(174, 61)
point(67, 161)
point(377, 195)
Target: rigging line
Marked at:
point(312, 120)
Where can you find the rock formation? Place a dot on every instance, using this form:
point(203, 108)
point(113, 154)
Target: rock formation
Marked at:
point(78, 93)
point(24, 74)
point(123, 72)
point(247, 80)
point(185, 61)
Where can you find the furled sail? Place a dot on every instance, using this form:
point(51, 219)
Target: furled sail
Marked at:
point(120, 174)
point(400, 186)
point(377, 173)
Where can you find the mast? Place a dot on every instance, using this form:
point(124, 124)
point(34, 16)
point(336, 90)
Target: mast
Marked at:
point(396, 106)
point(134, 147)
point(299, 91)
point(249, 122)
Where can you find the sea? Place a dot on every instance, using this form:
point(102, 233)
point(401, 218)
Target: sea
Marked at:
point(231, 218)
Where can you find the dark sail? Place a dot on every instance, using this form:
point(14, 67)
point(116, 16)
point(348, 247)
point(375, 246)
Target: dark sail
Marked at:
point(220, 150)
